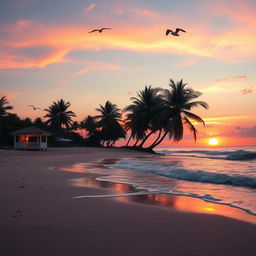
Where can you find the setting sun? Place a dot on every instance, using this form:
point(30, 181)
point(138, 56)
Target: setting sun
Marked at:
point(213, 142)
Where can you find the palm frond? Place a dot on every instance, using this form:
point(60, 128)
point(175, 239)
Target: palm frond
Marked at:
point(194, 104)
point(194, 117)
point(190, 126)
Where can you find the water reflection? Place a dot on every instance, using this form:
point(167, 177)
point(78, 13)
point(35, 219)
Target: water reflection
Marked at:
point(171, 202)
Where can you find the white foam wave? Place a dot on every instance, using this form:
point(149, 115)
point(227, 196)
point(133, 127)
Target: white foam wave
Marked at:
point(188, 175)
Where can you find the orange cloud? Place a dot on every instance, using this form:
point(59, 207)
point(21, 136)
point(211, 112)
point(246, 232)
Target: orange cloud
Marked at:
point(229, 85)
point(11, 95)
point(237, 39)
point(11, 61)
point(231, 78)
point(235, 44)
point(227, 120)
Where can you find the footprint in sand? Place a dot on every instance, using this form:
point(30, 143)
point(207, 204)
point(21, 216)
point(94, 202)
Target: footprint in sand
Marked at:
point(22, 185)
point(18, 213)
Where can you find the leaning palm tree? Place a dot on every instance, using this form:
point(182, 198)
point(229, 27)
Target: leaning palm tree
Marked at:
point(178, 101)
point(142, 113)
point(135, 127)
point(109, 119)
point(59, 116)
point(4, 107)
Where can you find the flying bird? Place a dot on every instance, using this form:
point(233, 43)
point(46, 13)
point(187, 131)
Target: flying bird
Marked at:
point(35, 108)
point(99, 30)
point(174, 33)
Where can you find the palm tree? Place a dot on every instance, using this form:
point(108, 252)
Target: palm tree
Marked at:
point(4, 107)
point(39, 123)
point(74, 126)
point(178, 101)
point(136, 128)
point(89, 124)
point(109, 119)
point(59, 116)
point(142, 113)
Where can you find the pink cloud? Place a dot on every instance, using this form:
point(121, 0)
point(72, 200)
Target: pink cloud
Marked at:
point(24, 23)
point(240, 11)
point(93, 66)
point(143, 12)
point(89, 8)
point(240, 77)
point(228, 79)
point(247, 90)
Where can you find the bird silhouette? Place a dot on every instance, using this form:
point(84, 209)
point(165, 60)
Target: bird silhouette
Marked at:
point(35, 108)
point(99, 30)
point(174, 33)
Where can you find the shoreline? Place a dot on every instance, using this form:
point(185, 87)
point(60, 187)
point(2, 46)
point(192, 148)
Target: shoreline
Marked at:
point(40, 217)
point(128, 190)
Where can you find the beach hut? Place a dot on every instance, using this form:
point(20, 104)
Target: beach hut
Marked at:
point(30, 138)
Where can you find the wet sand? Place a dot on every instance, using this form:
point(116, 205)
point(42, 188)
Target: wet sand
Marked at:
point(40, 217)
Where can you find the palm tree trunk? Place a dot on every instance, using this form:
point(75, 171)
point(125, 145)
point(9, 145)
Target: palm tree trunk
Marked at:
point(159, 134)
point(158, 142)
point(128, 141)
point(144, 140)
point(135, 144)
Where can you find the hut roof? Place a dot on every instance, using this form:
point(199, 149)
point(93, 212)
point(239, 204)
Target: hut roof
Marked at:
point(30, 130)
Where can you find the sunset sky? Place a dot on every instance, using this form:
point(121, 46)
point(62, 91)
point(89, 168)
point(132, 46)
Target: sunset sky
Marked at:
point(46, 54)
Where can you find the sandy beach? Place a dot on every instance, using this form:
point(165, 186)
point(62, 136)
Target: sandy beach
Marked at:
point(39, 215)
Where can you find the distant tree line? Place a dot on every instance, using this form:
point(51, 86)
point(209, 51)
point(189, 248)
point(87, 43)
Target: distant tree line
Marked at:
point(154, 112)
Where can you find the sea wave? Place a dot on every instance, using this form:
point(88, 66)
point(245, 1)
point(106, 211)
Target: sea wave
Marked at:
point(241, 155)
point(188, 175)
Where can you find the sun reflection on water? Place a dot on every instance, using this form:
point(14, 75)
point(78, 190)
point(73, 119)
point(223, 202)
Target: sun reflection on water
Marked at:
point(171, 202)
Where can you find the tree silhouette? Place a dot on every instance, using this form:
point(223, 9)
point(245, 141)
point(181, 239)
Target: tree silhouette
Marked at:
point(110, 130)
point(59, 116)
point(142, 113)
point(4, 107)
point(178, 102)
point(89, 124)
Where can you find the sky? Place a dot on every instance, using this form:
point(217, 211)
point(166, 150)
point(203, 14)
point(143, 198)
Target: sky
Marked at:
point(46, 54)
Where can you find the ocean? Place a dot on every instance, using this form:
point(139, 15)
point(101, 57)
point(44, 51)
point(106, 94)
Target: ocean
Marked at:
point(222, 175)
